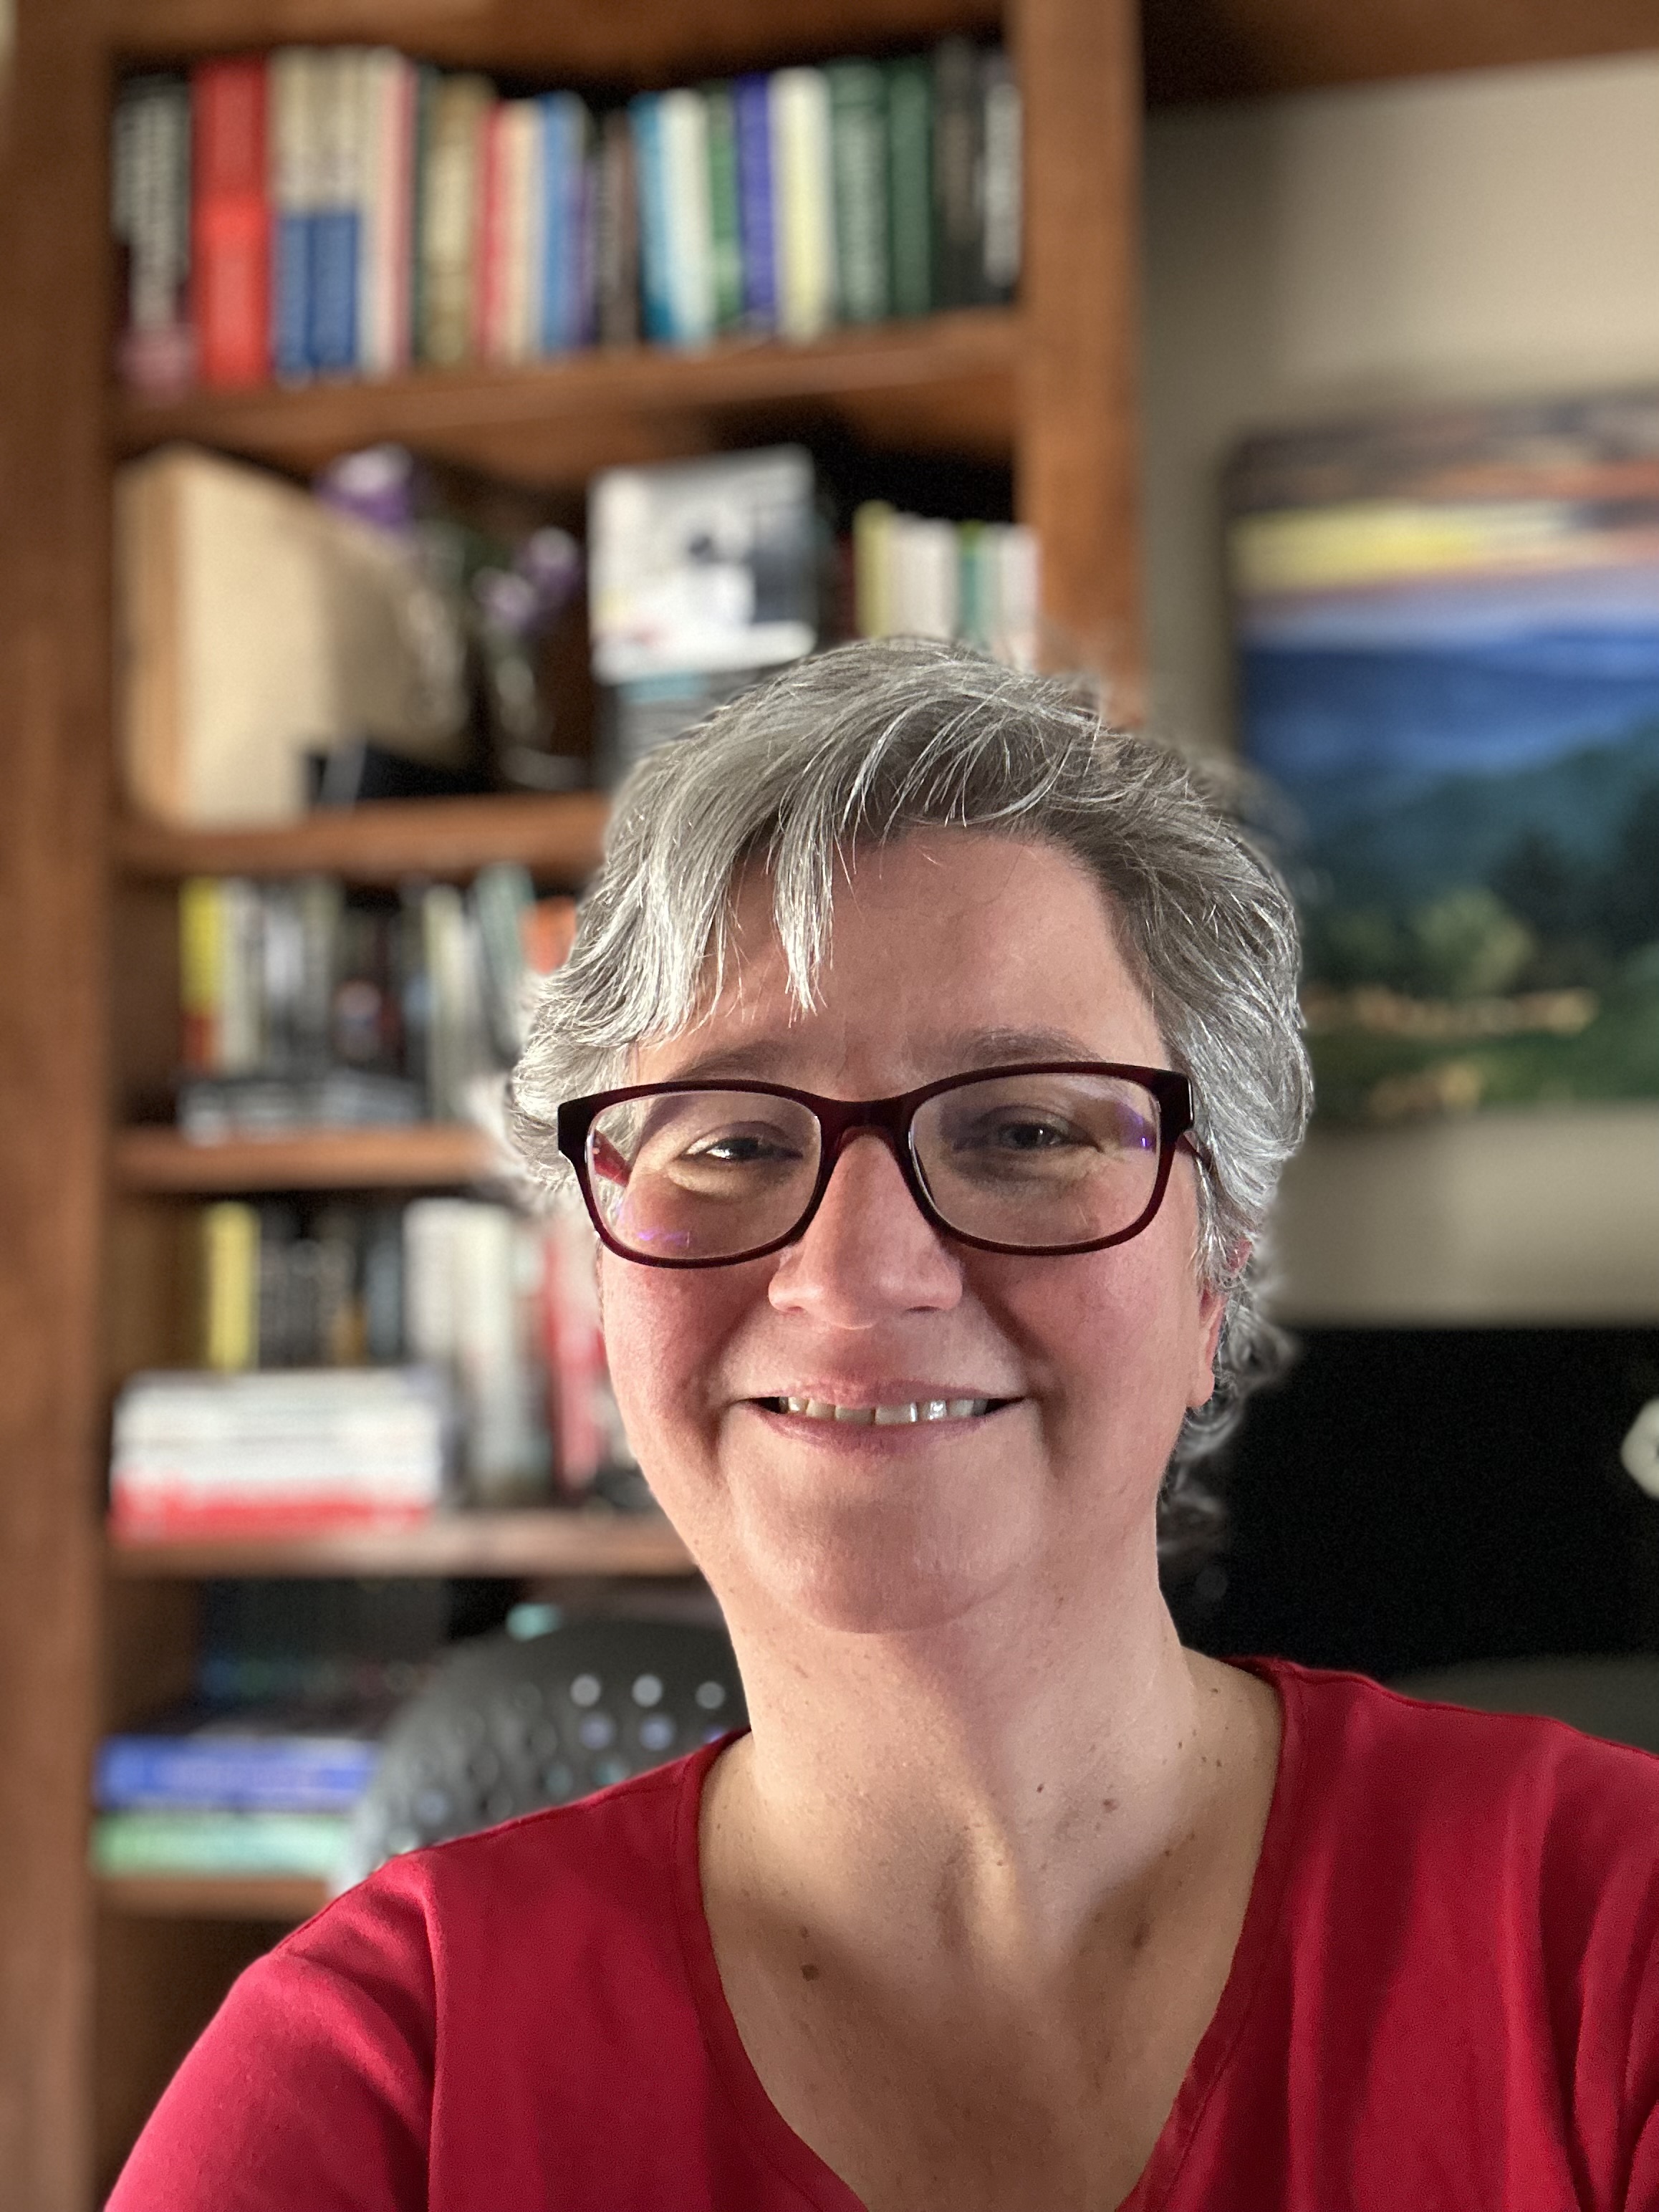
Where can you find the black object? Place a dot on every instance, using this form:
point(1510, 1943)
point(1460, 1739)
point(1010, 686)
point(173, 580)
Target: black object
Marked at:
point(1424, 1498)
point(352, 773)
point(512, 1724)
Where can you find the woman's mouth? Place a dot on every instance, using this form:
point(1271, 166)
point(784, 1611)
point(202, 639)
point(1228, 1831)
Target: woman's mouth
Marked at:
point(901, 1414)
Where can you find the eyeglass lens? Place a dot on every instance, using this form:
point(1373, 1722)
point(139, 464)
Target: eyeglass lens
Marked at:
point(1022, 1160)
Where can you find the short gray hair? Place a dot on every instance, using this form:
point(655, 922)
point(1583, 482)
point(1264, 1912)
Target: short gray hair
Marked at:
point(863, 744)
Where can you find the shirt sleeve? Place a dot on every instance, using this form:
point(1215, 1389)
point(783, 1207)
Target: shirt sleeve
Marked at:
point(312, 2084)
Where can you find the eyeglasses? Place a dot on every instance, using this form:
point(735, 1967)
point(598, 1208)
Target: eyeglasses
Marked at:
point(1055, 1157)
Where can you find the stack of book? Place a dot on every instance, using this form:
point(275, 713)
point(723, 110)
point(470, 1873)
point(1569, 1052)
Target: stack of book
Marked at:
point(246, 1791)
point(347, 211)
point(302, 1005)
point(252, 1454)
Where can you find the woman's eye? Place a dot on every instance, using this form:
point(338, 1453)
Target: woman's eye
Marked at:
point(742, 1149)
point(1026, 1136)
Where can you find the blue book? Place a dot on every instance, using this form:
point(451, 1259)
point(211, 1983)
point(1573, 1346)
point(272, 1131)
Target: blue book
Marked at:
point(755, 233)
point(333, 289)
point(290, 297)
point(655, 283)
point(255, 1759)
point(564, 160)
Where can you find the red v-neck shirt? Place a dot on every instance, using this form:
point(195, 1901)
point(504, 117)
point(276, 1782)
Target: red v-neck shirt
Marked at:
point(1444, 1997)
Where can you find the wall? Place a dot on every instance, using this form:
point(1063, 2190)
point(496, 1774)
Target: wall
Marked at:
point(1310, 256)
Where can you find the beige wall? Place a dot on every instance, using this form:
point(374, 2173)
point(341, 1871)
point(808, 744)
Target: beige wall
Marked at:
point(1461, 236)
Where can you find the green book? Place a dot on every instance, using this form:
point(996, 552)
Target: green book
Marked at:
point(858, 143)
point(910, 183)
point(210, 1842)
point(725, 245)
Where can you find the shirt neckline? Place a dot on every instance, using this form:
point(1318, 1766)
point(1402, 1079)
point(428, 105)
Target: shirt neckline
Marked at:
point(797, 2165)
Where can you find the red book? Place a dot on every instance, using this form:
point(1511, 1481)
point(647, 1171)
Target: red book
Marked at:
point(230, 221)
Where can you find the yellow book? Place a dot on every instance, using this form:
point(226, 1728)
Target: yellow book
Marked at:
point(805, 200)
point(873, 568)
point(230, 1282)
point(201, 970)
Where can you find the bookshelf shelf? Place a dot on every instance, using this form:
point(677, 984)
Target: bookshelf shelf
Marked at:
point(430, 1156)
point(556, 838)
point(288, 1899)
point(948, 383)
point(509, 1544)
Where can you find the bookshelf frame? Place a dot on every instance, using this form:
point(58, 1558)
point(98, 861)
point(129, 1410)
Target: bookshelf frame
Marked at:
point(1049, 386)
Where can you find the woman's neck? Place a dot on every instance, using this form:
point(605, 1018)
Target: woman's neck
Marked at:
point(991, 1787)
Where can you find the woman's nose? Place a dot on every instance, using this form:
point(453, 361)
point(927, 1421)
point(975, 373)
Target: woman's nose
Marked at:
point(868, 1252)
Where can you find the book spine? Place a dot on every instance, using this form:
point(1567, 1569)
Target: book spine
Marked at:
point(726, 241)
point(684, 126)
point(957, 155)
point(556, 156)
point(387, 132)
point(338, 216)
point(910, 184)
point(201, 974)
point(230, 1287)
point(751, 108)
point(524, 255)
point(616, 233)
point(208, 1843)
point(1018, 601)
point(295, 126)
point(427, 83)
point(581, 299)
point(279, 1775)
point(872, 563)
point(241, 1004)
point(655, 274)
point(1001, 213)
point(858, 131)
point(804, 198)
point(230, 223)
point(450, 219)
point(491, 287)
point(150, 184)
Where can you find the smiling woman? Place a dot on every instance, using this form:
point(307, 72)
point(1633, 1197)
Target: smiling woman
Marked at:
point(926, 1065)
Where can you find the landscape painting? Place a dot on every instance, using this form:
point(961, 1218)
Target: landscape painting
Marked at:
point(1448, 633)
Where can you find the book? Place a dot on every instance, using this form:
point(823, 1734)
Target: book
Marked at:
point(213, 1108)
point(873, 568)
point(386, 93)
point(472, 1288)
point(656, 274)
point(924, 578)
point(725, 227)
point(512, 259)
point(756, 225)
point(451, 206)
point(337, 212)
point(311, 1844)
point(702, 566)
point(263, 1452)
point(502, 896)
point(230, 222)
point(616, 234)
point(804, 201)
point(858, 133)
point(295, 122)
point(1002, 172)
point(682, 129)
point(910, 183)
point(567, 130)
point(230, 1277)
point(276, 1757)
point(150, 214)
point(958, 155)
point(255, 624)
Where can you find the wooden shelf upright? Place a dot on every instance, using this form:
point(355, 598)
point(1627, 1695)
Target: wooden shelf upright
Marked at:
point(101, 1986)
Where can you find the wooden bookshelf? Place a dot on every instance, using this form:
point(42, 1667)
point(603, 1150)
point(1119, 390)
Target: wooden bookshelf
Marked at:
point(522, 1544)
point(284, 1898)
point(948, 384)
point(557, 839)
point(426, 1156)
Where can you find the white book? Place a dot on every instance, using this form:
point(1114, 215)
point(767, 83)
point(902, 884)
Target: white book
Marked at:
point(924, 577)
point(804, 202)
point(1001, 194)
point(506, 1447)
point(684, 122)
point(431, 1229)
point(1018, 601)
point(386, 83)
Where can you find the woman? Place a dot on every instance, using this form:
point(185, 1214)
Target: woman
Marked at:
point(958, 1051)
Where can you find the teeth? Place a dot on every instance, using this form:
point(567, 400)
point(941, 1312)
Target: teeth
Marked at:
point(887, 1417)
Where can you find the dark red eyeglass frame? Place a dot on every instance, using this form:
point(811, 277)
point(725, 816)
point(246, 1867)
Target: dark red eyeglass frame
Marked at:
point(838, 1119)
